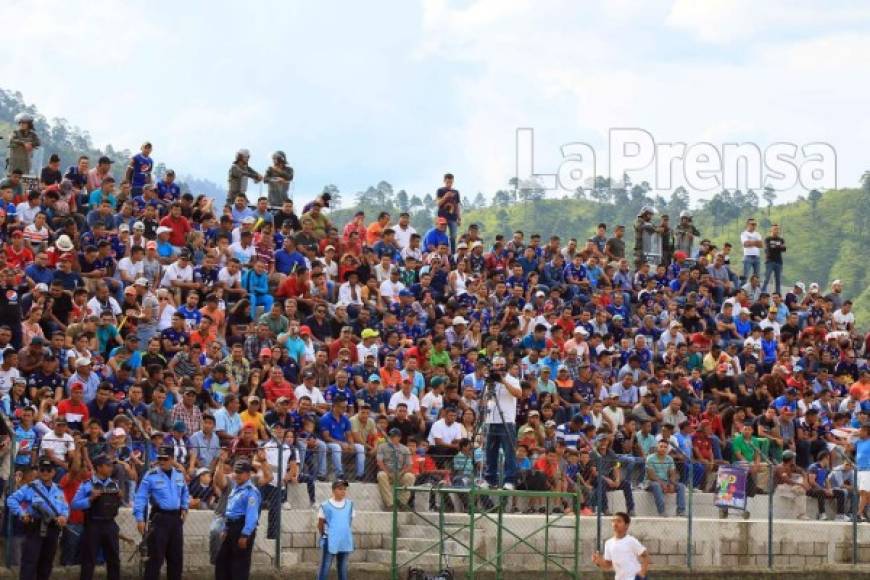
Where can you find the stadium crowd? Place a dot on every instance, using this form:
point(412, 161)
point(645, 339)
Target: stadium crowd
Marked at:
point(134, 315)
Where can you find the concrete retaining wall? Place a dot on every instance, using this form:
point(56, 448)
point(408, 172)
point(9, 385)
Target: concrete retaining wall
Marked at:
point(733, 544)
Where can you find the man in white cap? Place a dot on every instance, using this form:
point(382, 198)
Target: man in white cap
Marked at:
point(84, 374)
point(458, 333)
point(836, 294)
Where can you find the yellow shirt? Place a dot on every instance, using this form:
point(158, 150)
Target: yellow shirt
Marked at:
point(257, 419)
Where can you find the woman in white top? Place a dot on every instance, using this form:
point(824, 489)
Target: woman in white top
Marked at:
point(165, 309)
point(458, 279)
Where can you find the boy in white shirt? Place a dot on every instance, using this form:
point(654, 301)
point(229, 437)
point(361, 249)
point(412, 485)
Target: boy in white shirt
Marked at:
point(623, 553)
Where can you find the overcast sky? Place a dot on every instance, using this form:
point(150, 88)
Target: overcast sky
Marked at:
point(356, 92)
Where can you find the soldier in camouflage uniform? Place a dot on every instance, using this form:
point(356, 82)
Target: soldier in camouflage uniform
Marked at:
point(643, 224)
point(239, 174)
point(22, 142)
point(278, 177)
point(667, 240)
point(685, 234)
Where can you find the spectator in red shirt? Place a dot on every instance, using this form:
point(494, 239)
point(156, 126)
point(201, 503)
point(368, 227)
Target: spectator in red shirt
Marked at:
point(179, 225)
point(74, 409)
point(69, 484)
point(18, 256)
point(277, 386)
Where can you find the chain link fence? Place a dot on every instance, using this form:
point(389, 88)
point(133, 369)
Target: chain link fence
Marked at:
point(688, 513)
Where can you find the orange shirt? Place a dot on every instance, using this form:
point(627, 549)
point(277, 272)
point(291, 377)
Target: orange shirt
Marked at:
point(374, 233)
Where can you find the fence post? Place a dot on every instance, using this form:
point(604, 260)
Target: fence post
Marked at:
point(280, 492)
point(855, 503)
point(13, 456)
point(689, 545)
point(770, 488)
point(599, 495)
point(395, 539)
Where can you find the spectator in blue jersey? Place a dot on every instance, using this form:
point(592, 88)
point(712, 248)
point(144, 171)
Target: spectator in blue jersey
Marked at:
point(167, 190)
point(436, 236)
point(139, 170)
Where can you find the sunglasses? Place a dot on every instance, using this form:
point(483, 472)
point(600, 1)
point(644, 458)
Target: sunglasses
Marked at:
point(45, 469)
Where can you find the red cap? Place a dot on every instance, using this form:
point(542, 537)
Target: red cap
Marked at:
point(265, 351)
point(304, 329)
point(77, 387)
point(680, 255)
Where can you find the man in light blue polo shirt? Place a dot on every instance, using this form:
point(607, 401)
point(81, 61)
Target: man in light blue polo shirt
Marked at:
point(228, 423)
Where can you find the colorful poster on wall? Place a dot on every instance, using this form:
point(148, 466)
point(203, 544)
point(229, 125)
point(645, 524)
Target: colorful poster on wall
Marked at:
point(731, 487)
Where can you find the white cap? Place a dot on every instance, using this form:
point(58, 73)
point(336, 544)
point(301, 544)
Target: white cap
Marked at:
point(164, 230)
point(83, 361)
point(800, 285)
point(476, 244)
point(123, 228)
point(581, 330)
point(118, 432)
point(814, 286)
point(248, 220)
point(139, 226)
point(540, 293)
point(141, 282)
point(64, 243)
point(42, 287)
point(459, 320)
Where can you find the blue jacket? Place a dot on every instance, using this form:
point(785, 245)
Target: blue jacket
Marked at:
point(28, 496)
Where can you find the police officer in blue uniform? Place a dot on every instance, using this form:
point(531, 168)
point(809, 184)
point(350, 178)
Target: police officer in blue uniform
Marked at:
point(166, 491)
point(243, 513)
point(100, 498)
point(42, 508)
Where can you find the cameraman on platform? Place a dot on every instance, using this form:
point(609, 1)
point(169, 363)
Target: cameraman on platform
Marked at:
point(501, 393)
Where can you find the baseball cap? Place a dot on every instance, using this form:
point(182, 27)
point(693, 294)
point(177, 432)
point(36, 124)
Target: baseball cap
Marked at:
point(305, 329)
point(141, 282)
point(265, 351)
point(374, 378)
point(308, 374)
point(394, 432)
point(152, 245)
point(164, 230)
point(83, 361)
point(369, 333)
point(549, 424)
point(459, 320)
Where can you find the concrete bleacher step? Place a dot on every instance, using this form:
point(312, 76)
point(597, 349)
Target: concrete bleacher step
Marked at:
point(703, 505)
